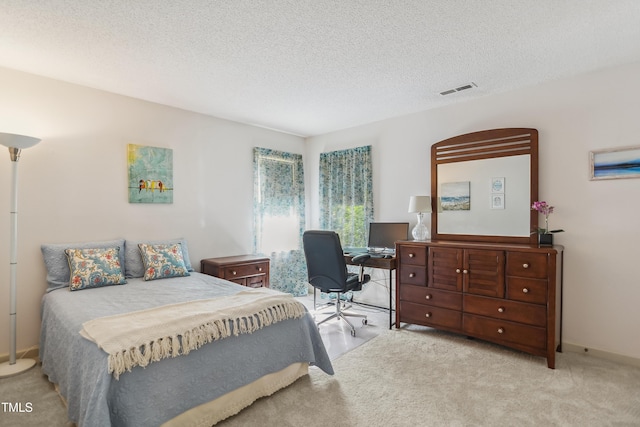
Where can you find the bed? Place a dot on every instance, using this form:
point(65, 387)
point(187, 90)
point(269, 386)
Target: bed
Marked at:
point(202, 387)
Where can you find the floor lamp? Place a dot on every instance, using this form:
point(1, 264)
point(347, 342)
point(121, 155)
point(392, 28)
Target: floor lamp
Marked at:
point(15, 144)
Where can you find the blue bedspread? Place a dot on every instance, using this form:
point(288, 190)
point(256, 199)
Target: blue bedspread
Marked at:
point(152, 395)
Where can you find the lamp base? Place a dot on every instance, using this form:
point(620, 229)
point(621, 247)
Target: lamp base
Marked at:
point(420, 231)
point(21, 365)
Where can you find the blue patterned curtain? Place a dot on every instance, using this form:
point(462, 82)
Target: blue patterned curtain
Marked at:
point(346, 194)
point(278, 206)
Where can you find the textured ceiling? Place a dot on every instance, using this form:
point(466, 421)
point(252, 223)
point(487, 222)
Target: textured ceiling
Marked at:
point(310, 67)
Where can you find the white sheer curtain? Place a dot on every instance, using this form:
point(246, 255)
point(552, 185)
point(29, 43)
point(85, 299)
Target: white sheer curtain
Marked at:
point(279, 220)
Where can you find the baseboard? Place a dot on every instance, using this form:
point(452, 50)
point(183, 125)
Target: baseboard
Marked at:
point(601, 354)
point(31, 353)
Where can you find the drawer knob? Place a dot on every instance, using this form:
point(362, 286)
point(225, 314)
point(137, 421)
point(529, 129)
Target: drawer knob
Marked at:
point(457, 270)
point(259, 268)
point(428, 296)
point(411, 255)
point(525, 290)
point(465, 271)
point(234, 272)
point(500, 331)
point(428, 315)
point(500, 309)
point(412, 275)
point(525, 265)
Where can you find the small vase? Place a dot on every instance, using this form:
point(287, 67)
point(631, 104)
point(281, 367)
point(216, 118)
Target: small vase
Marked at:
point(545, 239)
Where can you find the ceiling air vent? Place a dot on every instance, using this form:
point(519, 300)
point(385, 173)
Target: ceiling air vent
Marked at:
point(459, 89)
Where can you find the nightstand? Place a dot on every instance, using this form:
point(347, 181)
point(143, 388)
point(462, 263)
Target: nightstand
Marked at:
point(246, 270)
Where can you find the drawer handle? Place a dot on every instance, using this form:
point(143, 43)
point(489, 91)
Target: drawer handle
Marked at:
point(428, 296)
point(234, 272)
point(500, 309)
point(500, 331)
point(457, 270)
point(411, 255)
point(525, 265)
point(525, 290)
point(427, 315)
point(412, 275)
point(465, 271)
point(259, 268)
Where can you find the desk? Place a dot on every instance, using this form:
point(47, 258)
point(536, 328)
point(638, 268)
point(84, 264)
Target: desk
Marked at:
point(385, 264)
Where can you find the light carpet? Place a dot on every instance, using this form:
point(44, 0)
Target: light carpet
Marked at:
point(415, 377)
point(432, 378)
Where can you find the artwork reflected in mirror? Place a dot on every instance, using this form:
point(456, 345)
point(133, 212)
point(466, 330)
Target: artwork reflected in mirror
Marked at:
point(455, 196)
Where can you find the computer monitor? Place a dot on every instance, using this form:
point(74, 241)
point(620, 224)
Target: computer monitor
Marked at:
point(383, 235)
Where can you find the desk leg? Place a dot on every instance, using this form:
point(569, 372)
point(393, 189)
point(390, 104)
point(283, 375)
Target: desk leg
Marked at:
point(391, 322)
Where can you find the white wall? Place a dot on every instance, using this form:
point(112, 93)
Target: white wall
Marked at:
point(73, 185)
point(587, 112)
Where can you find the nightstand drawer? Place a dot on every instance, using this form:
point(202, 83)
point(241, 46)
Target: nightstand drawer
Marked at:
point(256, 281)
point(245, 270)
point(234, 271)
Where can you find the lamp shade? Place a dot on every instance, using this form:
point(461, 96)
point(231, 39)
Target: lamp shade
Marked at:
point(420, 204)
point(13, 140)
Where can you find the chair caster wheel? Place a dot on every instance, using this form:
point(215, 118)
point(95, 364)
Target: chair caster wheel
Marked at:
point(365, 322)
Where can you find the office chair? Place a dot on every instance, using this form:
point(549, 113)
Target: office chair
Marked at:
point(327, 271)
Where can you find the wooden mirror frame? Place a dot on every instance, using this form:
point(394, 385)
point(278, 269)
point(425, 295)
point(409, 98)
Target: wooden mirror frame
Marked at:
point(487, 144)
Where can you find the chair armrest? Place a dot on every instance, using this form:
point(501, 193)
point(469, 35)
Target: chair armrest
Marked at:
point(360, 259)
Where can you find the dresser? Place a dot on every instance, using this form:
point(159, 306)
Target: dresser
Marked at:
point(509, 294)
point(247, 270)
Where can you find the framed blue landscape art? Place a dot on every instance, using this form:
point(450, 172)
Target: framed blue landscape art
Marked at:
point(615, 163)
point(150, 174)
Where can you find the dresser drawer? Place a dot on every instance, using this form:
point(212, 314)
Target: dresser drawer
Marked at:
point(428, 315)
point(414, 255)
point(530, 314)
point(413, 274)
point(245, 270)
point(527, 264)
point(433, 297)
point(503, 331)
point(527, 290)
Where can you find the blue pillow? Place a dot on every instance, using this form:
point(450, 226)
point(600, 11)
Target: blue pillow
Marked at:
point(134, 267)
point(92, 268)
point(162, 261)
point(55, 259)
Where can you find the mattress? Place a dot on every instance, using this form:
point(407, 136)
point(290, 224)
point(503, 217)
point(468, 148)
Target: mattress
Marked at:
point(171, 388)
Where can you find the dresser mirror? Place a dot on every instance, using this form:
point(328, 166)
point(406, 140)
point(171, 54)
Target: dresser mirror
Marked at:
point(483, 185)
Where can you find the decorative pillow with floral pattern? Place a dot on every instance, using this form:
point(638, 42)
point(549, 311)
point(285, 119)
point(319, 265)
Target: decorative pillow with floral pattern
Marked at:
point(92, 268)
point(162, 261)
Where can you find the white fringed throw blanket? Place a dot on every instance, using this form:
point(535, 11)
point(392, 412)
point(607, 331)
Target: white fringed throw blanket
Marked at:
point(141, 337)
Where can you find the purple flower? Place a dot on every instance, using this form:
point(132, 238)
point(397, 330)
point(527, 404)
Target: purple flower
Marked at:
point(545, 209)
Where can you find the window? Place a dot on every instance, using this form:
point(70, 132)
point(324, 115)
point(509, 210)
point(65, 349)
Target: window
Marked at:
point(346, 194)
point(279, 217)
